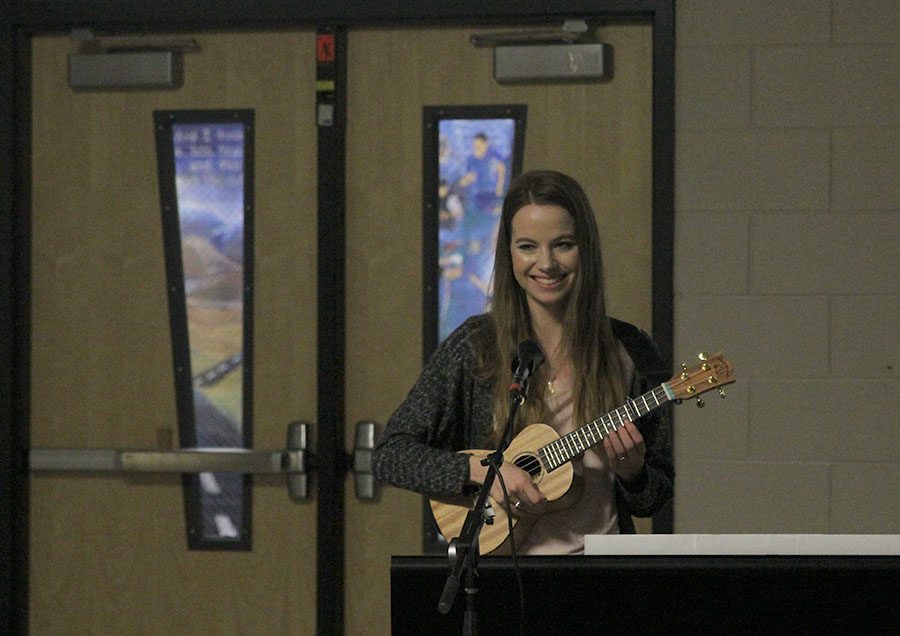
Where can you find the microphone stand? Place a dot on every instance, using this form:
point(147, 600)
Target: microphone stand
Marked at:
point(463, 550)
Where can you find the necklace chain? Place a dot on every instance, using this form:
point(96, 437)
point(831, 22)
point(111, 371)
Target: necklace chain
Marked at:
point(550, 382)
point(550, 388)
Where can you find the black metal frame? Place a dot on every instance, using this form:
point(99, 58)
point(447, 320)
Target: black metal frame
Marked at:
point(184, 395)
point(22, 19)
point(332, 460)
point(431, 271)
point(15, 321)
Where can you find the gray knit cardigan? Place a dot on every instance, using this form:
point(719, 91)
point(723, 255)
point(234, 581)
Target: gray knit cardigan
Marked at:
point(448, 410)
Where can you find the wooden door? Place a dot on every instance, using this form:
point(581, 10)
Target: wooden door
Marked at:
point(109, 555)
point(599, 133)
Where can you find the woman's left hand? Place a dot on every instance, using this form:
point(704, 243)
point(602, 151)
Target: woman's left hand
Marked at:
point(625, 451)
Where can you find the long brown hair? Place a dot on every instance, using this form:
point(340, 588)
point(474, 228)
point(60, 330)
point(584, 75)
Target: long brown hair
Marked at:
point(587, 336)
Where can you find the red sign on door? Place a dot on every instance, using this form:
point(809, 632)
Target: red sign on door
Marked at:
point(325, 47)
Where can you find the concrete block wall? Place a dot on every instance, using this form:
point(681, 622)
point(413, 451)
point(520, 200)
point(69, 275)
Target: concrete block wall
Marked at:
point(787, 258)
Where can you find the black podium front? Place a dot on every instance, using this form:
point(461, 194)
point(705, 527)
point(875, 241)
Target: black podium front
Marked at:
point(658, 595)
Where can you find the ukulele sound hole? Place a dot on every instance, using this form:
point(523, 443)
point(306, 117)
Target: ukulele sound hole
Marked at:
point(530, 464)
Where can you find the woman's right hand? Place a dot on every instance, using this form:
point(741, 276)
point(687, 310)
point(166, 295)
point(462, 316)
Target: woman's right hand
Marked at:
point(525, 498)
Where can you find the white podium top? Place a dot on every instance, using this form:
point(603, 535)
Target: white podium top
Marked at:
point(743, 544)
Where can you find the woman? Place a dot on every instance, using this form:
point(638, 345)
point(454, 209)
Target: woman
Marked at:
point(548, 287)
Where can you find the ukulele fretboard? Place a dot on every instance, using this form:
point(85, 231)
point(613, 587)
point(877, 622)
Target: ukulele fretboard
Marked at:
point(557, 453)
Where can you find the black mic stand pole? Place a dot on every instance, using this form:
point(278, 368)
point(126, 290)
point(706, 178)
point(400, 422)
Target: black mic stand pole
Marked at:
point(463, 550)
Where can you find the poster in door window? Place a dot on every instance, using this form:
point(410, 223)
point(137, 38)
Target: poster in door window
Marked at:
point(477, 151)
point(206, 198)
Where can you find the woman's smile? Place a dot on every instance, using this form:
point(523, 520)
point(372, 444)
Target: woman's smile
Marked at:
point(544, 254)
point(550, 282)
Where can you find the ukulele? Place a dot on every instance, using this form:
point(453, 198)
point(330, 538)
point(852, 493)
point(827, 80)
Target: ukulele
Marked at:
point(546, 457)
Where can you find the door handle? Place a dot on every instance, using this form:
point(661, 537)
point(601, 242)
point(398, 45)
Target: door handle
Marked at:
point(362, 461)
point(295, 461)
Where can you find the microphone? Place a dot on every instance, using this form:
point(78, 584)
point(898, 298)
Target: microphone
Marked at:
point(529, 357)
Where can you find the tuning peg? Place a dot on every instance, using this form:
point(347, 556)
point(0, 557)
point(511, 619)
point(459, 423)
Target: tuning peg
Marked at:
point(700, 403)
point(722, 393)
point(702, 356)
point(684, 373)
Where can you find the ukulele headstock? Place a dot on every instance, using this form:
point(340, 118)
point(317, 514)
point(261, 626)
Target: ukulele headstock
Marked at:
point(713, 372)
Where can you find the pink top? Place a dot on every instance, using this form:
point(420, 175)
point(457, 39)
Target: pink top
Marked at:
point(562, 531)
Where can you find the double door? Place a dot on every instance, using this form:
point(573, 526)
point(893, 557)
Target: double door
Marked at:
point(109, 554)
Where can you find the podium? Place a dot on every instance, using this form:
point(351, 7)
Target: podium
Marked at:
point(658, 594)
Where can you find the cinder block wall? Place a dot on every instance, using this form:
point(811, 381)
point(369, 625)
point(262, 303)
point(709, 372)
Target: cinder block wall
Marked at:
point(787, 258)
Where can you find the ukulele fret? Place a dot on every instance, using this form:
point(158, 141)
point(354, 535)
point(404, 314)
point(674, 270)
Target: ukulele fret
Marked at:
point(586, 434)
point(549, 460)
point(627, 412)
point(582, 437)
point(559, 447)
point(568, 446)
point(573, 439)
point(554, 460)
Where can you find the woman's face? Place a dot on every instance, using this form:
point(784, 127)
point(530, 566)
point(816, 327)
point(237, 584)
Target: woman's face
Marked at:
point(544, 254)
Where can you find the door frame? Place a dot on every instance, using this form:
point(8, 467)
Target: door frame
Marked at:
point(24, 19)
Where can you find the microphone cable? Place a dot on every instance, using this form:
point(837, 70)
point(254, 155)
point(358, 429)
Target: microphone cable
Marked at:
point(515, 556)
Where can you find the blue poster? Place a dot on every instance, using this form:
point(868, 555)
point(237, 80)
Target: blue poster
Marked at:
point(209, 180)
point(475, 166)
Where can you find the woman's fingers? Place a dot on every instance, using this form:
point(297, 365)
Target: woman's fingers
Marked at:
point(524, 497)
point(615, 446)
point(625, 450)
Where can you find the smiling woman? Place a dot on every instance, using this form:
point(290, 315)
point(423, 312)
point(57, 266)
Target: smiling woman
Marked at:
point(548, 287)
point(544, 256)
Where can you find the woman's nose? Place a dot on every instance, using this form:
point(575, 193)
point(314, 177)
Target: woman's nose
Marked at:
point(547, 259)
